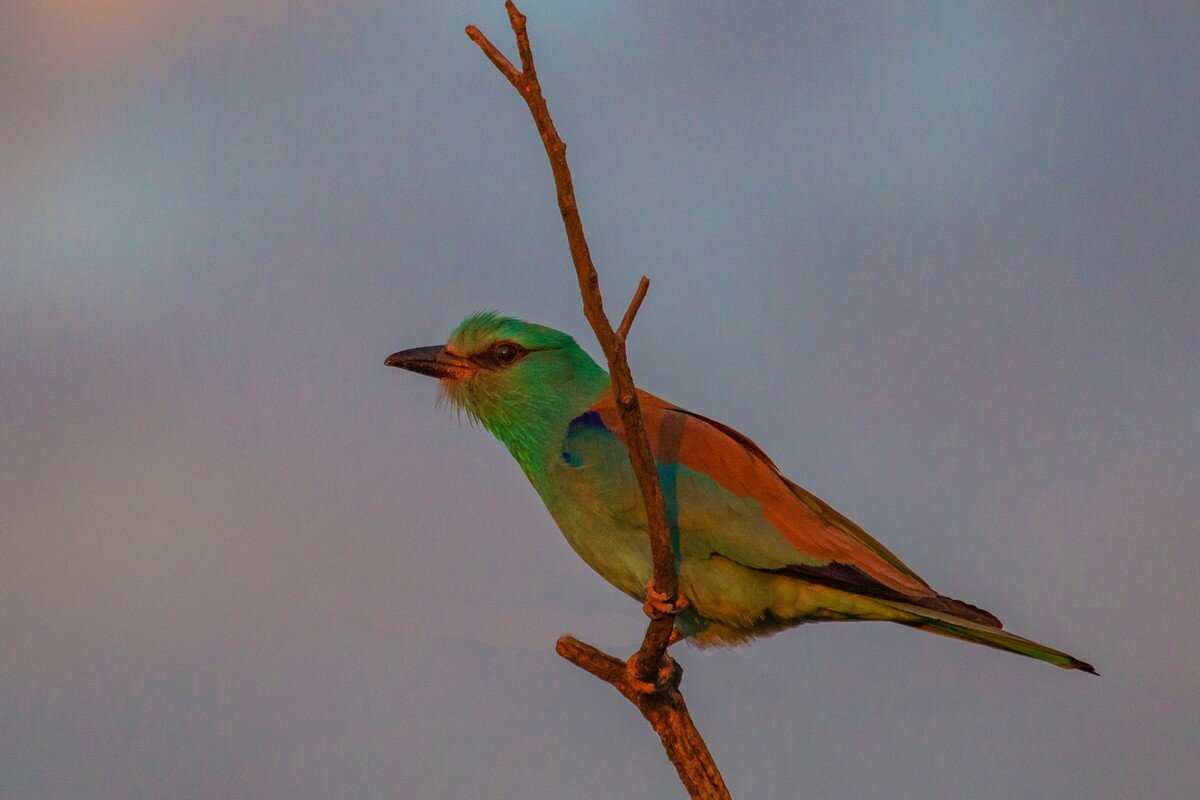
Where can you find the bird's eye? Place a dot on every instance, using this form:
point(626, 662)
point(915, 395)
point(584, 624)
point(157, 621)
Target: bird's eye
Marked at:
point(506, 353)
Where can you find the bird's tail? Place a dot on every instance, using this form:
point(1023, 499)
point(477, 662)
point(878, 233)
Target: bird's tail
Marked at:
point(957, 628)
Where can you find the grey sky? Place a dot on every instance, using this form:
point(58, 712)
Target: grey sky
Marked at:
point(940, 261)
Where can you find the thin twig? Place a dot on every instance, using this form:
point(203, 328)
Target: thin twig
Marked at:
point(641, 678)
point(495, 56)
point(627, 321)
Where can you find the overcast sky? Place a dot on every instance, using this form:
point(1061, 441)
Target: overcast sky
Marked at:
point(940, 261)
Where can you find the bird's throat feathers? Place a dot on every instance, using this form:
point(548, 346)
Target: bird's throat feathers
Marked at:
point(526, 405)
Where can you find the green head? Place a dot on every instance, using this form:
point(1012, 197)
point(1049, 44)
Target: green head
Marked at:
point(521, 381)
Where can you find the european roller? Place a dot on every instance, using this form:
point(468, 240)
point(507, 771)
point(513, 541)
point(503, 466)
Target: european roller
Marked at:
point(755, 552)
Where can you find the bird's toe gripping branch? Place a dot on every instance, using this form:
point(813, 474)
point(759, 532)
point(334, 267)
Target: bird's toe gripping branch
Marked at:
point(668, 676)
point(659, 605)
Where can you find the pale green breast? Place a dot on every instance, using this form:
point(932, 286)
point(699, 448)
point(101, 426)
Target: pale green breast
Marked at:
point(592, 507)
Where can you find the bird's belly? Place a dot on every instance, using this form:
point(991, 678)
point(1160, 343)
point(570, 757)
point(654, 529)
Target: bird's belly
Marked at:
point(728, 602)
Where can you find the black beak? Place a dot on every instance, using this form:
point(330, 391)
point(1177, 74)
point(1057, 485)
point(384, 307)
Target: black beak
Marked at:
point(435, 361)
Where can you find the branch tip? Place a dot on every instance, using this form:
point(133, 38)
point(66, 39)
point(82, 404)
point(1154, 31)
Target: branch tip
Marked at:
point(634, 304)
point(515, 17)
point(494, 55)
point(517, 20)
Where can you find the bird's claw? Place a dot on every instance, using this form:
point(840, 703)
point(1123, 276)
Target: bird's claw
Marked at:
point(659, 605)
point(668, 675)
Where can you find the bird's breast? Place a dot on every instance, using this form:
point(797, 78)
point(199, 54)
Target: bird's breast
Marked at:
point(594, 508)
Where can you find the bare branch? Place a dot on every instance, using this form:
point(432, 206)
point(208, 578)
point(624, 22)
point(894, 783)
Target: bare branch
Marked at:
point(627, 321)
point(588, 658)
point(650, 679)
point(517, 20)
point(666, 712)
point(495, 56)
point(665, 581)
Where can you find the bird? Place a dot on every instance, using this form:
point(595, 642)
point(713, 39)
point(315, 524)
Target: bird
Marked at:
point(755, 553)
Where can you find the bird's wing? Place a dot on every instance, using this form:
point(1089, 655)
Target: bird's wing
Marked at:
point(725, 496)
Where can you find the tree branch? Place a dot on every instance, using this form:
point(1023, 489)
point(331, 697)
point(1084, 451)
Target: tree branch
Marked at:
point(666, 712)
point(650, 679)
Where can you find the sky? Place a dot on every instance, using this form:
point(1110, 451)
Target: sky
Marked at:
point(939, 260)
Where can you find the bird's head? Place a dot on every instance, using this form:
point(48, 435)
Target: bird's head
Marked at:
point(509, 374)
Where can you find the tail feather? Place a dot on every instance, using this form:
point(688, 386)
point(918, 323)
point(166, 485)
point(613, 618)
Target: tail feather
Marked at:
point(958, 628)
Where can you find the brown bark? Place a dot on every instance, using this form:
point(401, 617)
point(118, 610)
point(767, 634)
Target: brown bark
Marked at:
point(650, 678)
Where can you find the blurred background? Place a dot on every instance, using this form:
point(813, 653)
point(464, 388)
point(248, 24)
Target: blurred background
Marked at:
point(940, 261)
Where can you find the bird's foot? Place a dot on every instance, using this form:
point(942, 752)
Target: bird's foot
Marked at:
point(659, 605)
point(668, 676)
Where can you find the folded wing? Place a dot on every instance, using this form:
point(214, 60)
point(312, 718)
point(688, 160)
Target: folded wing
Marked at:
point(725, 496)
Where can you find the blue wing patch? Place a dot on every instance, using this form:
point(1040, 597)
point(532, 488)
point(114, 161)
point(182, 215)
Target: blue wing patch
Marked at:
point(587, 422)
